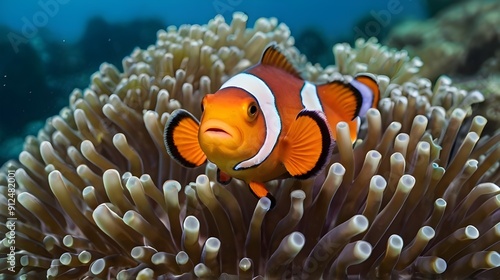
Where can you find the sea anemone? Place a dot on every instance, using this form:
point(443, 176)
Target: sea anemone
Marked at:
point(457, 41)
point(98, 197)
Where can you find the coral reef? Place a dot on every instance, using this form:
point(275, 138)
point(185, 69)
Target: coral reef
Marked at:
point(458, 41)
point(98, 197)
point(436, 6)
point(461, 42)
point(487, 81)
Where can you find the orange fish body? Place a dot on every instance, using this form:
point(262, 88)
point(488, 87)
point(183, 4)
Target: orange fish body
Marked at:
point(267, 123)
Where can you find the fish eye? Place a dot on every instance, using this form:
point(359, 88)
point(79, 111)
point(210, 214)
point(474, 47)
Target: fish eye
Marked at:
point(252, 110)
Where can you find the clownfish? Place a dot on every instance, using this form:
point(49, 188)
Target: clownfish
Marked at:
point(267, 123)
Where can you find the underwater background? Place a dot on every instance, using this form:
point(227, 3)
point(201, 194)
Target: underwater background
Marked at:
point(416, 196)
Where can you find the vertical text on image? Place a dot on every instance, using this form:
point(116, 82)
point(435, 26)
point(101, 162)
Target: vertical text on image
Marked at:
point(10, 235)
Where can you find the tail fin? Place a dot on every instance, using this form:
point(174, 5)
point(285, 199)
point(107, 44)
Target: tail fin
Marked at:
point(346, 101)
point(368, 87)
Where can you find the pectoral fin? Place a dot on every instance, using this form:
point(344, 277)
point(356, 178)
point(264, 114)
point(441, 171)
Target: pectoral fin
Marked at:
point(181, 139)
point(223, 177)
point(308, 145)
point(259, 190)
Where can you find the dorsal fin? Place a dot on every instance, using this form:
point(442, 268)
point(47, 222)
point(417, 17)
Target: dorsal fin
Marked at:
point(274, 57)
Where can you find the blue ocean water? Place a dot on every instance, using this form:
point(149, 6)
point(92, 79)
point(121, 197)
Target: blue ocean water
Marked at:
point(68, 19)
point(49, 47)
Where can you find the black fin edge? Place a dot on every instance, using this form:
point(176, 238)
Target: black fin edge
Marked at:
point(168, 136)
point(274, 46)
point(272, 199)
point(268, 195)
point(357, 95)
point(326, 143)
point(376, 95)
point(221, 181)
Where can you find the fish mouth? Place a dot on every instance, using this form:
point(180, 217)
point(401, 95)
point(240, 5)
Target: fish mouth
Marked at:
point(219, 134)
point(217, 131)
